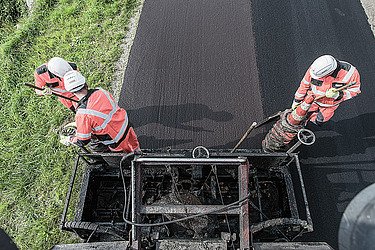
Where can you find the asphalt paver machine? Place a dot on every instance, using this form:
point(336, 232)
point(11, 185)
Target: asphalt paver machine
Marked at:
point(188, 199)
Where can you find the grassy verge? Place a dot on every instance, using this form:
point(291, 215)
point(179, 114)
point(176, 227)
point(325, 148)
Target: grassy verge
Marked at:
point(35, 169)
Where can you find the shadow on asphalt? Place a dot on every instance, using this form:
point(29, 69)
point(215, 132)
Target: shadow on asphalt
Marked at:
point(175, 116)
point(154, 143)
point(353, 135)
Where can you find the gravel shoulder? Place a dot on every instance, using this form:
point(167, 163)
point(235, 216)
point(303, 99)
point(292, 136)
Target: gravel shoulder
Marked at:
point(126, 46)
point(369, 7)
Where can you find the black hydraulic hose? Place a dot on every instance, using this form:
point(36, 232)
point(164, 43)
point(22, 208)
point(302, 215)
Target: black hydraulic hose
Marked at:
point(69, 194)
point(53, 93)
point(126, 201)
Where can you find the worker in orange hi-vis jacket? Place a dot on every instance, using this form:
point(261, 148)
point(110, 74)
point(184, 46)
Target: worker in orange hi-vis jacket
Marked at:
point(50, 77)
point(99, 116)
point(325, 75)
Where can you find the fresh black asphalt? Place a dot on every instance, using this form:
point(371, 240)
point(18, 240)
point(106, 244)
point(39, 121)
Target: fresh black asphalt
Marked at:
point(200, 72)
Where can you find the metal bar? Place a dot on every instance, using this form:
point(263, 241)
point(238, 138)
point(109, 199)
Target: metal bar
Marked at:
point(213, 153)
point(310, 227)
point(337, 90)
point(187, 209)
point(53, 93)
point(277, 222)
point(248, 131)
point(293, 148)
point(290, 193)
point(136, 202)
point(253, 126)
point(243, 182)
point(258, 194)
point(69, 194)
point(176, 161)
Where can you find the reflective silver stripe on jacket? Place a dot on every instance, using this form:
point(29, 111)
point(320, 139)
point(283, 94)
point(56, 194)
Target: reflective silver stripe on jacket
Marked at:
point(349, 74)
point(347, 94)
point(297, 117)
point(315, 91)
point(305, 106)
point(305, 81)
point(299, 95)
point(119, 134)
point(92, 112)
point(85, 136)
point(354, 90)
point(109, 116)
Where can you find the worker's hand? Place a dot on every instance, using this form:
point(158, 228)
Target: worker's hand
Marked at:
point(46, 91)
point(295, 104)
point(66, 140)
point(332, 93)
point(69, 129)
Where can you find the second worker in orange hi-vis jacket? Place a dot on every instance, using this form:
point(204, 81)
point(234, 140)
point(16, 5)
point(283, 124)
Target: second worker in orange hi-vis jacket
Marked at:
point(99, 116)
point(325, 75)
point(49, 76)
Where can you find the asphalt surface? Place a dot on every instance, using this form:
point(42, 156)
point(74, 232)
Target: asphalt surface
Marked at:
point(200, 72)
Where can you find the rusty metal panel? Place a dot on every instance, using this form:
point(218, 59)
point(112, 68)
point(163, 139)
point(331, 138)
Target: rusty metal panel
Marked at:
point(243, 181)
point(187, 209)
point(292, 246)
point(191, 244)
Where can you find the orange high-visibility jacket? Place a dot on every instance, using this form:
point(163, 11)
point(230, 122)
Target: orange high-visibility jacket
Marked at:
point(44, 78)
point(98, 114)
point(343, 75)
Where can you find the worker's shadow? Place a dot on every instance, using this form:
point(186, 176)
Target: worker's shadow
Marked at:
point(354, 135)
point(175, 116)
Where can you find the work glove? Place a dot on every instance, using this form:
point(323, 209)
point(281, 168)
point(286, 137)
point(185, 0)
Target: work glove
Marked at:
point(332, 93)
point(295, 104)
point(69, 129)
point(65, 140)
point(46, 91)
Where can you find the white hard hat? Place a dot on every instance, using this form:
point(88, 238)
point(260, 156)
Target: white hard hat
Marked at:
point(58, 66)
point(74, 81)
point(323, 66)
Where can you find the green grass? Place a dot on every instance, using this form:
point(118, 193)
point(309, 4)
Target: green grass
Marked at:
point(35, 169)
point(10, 11)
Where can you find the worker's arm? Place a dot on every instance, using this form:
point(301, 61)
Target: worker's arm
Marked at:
point(302, 90)
point(303, 87)
point(83, 133)
point(39, 82)
point(353, 90)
